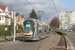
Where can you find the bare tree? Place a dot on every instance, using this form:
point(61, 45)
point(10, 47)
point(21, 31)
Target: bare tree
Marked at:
point(54, 23)
point(73, 27)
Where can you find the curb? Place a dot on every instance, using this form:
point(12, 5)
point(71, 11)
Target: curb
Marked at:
point(6, 43)
point(69, 44)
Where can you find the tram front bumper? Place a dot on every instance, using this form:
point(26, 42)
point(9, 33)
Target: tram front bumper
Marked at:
point(30, 38)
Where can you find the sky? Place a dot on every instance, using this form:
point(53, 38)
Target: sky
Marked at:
point(24, 8)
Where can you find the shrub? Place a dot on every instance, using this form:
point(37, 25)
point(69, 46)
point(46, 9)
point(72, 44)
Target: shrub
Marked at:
point(18, 31)
point(2, 33)
point(2, 30)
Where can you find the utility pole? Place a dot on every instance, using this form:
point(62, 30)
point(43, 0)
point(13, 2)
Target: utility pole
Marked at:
point(40, 15)
point(11, 20)
point(69, 22)
point(14, 28)
point(61, 23)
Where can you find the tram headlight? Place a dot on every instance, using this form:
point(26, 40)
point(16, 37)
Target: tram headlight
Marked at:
point(23, 33)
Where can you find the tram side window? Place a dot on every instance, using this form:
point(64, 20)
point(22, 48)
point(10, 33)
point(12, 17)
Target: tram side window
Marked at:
point(39, 28)
point(23, 28)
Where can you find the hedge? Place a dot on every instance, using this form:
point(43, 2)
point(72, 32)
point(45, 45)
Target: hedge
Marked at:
point(18, 31)
point(61, 33)
point(2, 33)
point(8, 32)
point(2, 30)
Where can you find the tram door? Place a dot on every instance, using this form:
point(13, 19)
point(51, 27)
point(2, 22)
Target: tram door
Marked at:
point(36, 28)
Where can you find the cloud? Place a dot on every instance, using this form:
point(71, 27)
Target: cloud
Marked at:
point(24, 8)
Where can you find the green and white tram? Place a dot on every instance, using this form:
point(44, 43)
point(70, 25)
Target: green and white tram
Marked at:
point(34, 29)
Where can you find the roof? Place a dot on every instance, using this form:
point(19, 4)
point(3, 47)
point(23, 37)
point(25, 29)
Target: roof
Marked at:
point(3, 7)
point(9, 13)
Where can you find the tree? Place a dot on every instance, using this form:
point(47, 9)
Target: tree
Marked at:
point(33, 14)
point(54, 23)
point(73, 27)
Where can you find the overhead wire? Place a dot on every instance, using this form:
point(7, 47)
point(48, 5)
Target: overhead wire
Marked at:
point(55, 7)
point(32, 5)
point(46, 16)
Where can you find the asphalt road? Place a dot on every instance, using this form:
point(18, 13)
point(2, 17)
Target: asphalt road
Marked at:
point(71, 36)
point(26, 45)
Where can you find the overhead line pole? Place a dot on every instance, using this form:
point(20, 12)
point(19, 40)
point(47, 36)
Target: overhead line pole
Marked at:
point(40, 15)
point(45, 16)
point(14, 28)
point(11, 19)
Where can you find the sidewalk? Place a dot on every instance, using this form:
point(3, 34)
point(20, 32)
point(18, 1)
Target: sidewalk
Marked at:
point(9, 38)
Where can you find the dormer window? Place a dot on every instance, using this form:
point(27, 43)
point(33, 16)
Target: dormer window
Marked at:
point(0, 11)
point(0, 18)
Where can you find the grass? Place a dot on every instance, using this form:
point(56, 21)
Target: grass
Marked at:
point(54, 32)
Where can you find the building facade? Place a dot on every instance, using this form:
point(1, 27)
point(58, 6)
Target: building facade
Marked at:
point(20, 19)
point(67, 19)
point(5, 15)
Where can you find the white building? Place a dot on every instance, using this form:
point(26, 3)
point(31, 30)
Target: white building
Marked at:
point(67, 19)
point(4, 15)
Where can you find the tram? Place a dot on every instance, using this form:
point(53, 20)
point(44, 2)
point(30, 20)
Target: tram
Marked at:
point(34, 29)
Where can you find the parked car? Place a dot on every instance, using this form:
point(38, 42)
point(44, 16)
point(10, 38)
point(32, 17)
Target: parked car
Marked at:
point(69, 30)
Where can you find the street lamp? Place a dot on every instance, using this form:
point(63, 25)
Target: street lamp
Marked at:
point(61, 23)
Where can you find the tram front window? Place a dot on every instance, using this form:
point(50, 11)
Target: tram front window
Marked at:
point(28, 27)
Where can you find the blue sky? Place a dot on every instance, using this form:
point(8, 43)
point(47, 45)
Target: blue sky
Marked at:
point(67, 1)
point(25, 8)
point(68, 5)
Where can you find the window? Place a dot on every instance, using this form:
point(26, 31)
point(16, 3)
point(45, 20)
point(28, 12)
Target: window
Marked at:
point(28, 26)
point(0, 18)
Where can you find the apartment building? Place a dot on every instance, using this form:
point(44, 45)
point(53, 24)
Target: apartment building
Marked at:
point(67, 19)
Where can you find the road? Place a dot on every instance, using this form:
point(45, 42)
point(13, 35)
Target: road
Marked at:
point(71, 36)
point(26, 45)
